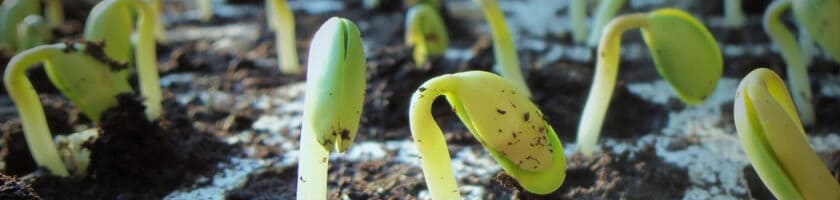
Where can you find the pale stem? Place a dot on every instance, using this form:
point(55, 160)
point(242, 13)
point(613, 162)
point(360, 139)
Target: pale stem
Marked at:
point(160, 30)
point(284, 32)
point(606, 71)
point(146, 56)
point(313, 163)
point(577, 14)
point(205, 7)
point(504, 49)
point(603, 14)
point(800, 87)
point(734, 15)
point(431, 144)
point(35, 129)
point(54, 13)
point(806, 43)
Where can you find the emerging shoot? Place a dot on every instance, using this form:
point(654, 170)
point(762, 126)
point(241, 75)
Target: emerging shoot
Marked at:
point(54, 12)
point(797, 73)
point(205, 9)
point(425, 30)
point(81, 72)
point(12, 13)
point(775, 141)
point(32, 31)
point(282, 21)
point(335, 90)
point(603, 14)
point(684, 52)
point(510, 127)
point(733, 13)
point(504, 49)
point(577, 15)
point(111, 22)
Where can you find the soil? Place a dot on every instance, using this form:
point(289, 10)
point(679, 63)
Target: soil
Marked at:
point(138, 159)
point(14, 189)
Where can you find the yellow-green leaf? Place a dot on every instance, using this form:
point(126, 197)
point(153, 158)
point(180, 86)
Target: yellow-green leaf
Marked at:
point(822, 20)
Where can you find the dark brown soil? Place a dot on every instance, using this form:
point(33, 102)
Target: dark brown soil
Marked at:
point(610, 176)
point(137, 159)
point(13, 189)
point(272, 184)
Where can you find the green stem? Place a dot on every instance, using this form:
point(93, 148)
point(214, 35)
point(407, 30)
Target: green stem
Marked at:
point(54, 13)
point(35, 129)
point(800, 87)
point(504, 49)
point(577, 14)
point(146, 56)
point(160, 30)
point(283, 22)
point(606, 71)
point(734, 15)
point(431, 145)
point(603, 14)
point(205, 7)
point(313, 163)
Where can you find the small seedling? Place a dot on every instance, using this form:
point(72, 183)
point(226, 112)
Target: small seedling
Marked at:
point(603, 14)
point(796, 58)
point(510, 127)
point(577, 15)
point(160, 29)
point(733, 14)
point(205, 9)
point(54, 12)
point(32, 31)
point(504, 49)
point(425, 30)
point(684, 52)
point(282, 21)
point(775, 141)
point(335, 90)
point(11, 14)
point(83, 73)
point(111, 23)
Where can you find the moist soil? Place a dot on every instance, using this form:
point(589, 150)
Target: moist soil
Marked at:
point(138, 159)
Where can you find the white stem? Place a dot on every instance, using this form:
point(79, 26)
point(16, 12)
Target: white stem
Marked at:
point(313, 163)
point(577, 14)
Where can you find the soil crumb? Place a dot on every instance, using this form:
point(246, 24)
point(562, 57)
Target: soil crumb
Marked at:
point(13, 189)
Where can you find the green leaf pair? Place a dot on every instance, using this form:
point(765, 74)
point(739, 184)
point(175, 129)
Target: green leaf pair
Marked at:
point(684, 52)
point(510, 127)
point(775, 141)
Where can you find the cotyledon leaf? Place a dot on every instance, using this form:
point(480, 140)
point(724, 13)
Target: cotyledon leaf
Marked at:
point(822, 20)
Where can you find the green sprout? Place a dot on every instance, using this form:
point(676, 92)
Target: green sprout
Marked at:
point(684, 52)
point(111, 22)
point(282, 21)
point(733, 14)
point(11, 14)
point(510, 127)
point(603, 14)
point(205, 9)
point(775, 141)
point(160, 30)
point(504, 49)
point(577, 15)
point(335, 90)
point(821, 18)
point(32, 31)
point(81, 72)
point(425, 30)
point(54, 12)
point(436, 4)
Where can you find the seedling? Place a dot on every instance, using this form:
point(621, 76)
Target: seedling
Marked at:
point(577, 15)
point(32, 31)
point(436, 4)
point(504, 49)
point(510, 127)
point(603, 14)
point(282, 22)
point(81, 72)
point(733, 13)
point(425, 30)
point(820, 21)
point(11, 14)
point(111, 23)
point(775, 141)
point(684, 52)
point(205, 9)
point(335, 90)
point(160, 30)
point(54, 12)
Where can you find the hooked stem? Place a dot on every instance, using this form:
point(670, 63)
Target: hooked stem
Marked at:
point(504, 49)
point(606, 71)
point(23, 94)
point(800, 87)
